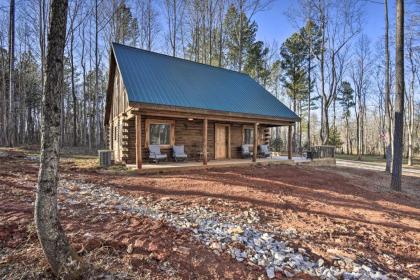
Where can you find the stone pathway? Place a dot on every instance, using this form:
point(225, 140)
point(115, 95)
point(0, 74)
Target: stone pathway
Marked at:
point(235, 235)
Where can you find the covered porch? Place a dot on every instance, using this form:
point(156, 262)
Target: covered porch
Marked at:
point(216, 137)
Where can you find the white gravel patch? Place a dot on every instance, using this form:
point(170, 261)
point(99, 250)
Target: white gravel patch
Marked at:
point(221, 232)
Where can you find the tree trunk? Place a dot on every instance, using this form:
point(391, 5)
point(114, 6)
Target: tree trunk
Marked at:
point(300, 126)
point(220, 34)
point(387, 94)
point(62, 119)
point(174, 30)
point(399, 99)
point(240, 37)
point(347, 134)
point(411, 101)
point(93, 115)
point(11, 121)
point(359, 156)
point(149, 25)
point(84, 134)
point(3, 132)
point(324, 119)
point(309, 96)
point(62, 259)
point(325, 123)
point(294, 141)
point(73, 86)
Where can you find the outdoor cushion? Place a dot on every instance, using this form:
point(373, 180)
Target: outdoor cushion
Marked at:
point(154, 149)
point(264, 151)
point(161, 156)
point(245, 151)
point(154, 152)
point(179, 151)
point(180, 155)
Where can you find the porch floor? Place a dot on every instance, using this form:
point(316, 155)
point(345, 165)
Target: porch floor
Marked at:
point(193, 164)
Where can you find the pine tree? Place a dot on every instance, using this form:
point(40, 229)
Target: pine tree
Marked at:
point(256, 62)
point(295, 79)
point(239, 37)
point(311, 35)
point(346, 100)
point(127, 30)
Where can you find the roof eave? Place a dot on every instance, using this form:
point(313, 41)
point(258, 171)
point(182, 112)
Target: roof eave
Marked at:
point(209, 113)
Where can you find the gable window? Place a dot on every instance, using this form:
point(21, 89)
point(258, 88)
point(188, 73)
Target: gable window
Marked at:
point(248, 136)
point(160, 132)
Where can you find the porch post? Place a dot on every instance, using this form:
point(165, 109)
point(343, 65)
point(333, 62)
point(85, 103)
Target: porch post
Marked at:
point(111, 135)
point(289, 142)
point(255, 148)
point(138, 142)
point(205, 124)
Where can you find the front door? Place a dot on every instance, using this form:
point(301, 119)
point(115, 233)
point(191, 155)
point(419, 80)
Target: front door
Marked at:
point(221, 141)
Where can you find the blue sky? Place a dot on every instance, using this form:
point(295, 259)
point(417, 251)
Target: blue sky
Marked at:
point(273, 24)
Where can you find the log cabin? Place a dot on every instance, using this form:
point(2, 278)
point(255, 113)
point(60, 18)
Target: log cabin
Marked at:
point(162, 100)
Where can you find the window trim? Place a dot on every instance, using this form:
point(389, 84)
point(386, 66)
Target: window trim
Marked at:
point(243, 133)
point(171, 124)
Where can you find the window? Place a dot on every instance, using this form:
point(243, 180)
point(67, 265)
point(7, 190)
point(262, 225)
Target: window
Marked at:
point(159, 134)
point(248, 136)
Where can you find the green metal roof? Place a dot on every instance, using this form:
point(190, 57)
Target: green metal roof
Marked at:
point(164, 80)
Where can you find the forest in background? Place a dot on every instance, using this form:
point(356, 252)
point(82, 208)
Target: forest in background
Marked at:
point(329, 71)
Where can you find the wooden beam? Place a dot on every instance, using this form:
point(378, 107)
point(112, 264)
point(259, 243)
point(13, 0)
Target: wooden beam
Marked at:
point(173, 111)
point(229, 147)
point(138, 142)
point(255, 147)
point(289, 142)
point(205, 125)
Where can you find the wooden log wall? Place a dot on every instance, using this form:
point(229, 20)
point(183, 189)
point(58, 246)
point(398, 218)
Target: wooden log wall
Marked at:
point(189, 134)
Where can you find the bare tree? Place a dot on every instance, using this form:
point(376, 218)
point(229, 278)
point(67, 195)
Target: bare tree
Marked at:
point(73, 26)
point(360, 74)
point(149, 23)
point(11, 122)
point(399, 99)
point(3, 79)
point(62, 259)
point(93, 113)
point(339, 23)
point(174, 14)
point(388, 153)
point(85, 135)
point(413, 70)
point(221, 10)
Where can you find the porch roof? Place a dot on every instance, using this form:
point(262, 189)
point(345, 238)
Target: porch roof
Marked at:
point(153, 78)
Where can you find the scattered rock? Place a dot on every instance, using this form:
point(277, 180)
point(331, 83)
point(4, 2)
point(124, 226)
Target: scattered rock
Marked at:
point(182, 250)
point(236, 230)
point(270, 272)
point(130, 248)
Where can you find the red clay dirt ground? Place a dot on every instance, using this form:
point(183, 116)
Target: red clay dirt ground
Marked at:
point(335, 211)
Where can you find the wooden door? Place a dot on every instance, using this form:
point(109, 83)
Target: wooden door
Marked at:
point(222, 141)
